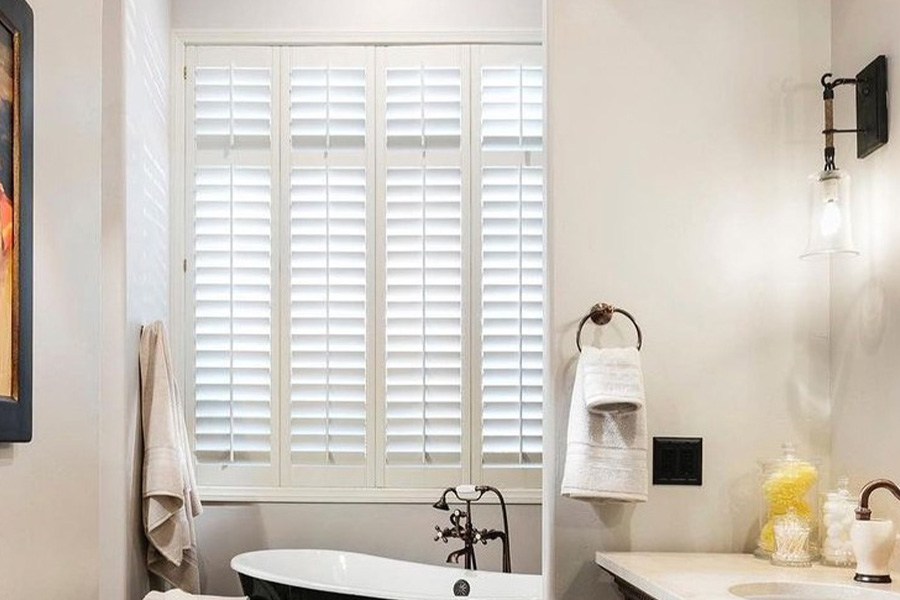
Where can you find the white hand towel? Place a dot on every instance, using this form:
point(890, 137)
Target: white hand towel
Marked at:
point(170, 499)
point(613, 380)
point(606, 453)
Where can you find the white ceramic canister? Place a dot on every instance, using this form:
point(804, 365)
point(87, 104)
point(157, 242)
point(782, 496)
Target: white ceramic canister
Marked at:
point(873, 544)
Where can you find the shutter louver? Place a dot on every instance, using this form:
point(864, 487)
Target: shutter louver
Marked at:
point(423, 350)
point(232, 174)
point(512, 314)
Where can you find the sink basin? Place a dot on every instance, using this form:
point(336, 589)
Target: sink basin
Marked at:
point(808, 591)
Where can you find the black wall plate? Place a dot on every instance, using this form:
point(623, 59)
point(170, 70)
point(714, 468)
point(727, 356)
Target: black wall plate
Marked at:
point(677, 461)
point(871, 107)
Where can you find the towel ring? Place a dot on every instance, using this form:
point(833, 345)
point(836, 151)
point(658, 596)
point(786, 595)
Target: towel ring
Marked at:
point(601, 314)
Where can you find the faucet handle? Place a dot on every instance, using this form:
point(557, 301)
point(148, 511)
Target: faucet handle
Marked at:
point(441, 534)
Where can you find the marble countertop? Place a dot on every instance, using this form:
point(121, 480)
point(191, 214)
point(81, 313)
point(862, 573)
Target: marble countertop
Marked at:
point(678, 576)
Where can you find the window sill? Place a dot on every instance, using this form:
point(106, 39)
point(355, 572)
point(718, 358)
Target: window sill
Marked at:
point(222, 494)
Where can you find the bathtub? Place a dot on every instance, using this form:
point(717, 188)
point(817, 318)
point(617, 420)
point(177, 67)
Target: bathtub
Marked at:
point(334, 575)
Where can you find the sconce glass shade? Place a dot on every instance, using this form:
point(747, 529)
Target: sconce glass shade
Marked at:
point(830, 229)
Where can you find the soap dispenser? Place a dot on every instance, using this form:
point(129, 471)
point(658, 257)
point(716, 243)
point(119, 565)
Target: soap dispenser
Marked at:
point(873, 539)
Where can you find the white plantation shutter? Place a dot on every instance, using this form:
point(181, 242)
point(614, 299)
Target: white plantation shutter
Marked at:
point(364, 281)
point(511, 221)
point(330, 173)
point(425, 181)
point(231, 265)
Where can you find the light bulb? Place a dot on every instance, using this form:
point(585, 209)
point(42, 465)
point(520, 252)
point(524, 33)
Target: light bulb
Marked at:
point(830, 222)
point(830, 232)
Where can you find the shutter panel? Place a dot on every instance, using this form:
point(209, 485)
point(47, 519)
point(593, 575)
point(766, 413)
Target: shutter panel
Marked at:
point(425, 181)
point(330, 170)
point(511, 222)
point(512, 314)
point(230, 170)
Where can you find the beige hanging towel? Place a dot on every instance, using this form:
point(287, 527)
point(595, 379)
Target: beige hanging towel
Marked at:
point(179, 595)
point(170, 499)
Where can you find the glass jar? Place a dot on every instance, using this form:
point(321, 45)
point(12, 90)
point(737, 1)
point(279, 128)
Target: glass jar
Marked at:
point(792, 547)
point(838, 515)
point(787, 482)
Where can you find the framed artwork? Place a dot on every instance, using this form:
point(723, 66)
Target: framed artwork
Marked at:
point(16, 142)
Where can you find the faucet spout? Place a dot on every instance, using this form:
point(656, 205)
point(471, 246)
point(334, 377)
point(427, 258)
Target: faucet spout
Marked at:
point(863, 512)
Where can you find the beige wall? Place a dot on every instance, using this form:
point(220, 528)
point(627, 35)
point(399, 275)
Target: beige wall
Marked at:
point(865, 313)
point(681, 135)
point(136, 70)
point(49, 488)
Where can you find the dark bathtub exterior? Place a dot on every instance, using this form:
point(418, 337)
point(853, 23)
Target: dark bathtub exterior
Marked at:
point(257, 589)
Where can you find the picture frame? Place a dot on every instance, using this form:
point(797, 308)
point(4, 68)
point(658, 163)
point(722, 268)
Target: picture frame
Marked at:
point(16, 218)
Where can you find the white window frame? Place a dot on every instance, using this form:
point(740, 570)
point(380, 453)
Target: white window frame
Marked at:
point(519, 490)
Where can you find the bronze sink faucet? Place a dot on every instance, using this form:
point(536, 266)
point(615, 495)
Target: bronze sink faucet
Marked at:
point(863, 512)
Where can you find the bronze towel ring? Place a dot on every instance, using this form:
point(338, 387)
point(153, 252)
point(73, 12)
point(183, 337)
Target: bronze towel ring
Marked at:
point(601, 314)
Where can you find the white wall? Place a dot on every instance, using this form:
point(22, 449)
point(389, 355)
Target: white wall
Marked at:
point(135, 265)
point(865, 319)
point(681, 135)
point(49, 489)
point(401, 531)
point(357, 15)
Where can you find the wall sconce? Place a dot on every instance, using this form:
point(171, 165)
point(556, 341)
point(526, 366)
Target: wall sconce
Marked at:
point(830, 231)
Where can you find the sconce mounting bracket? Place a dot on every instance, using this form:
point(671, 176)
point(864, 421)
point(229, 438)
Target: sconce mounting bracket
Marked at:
point(871, 107)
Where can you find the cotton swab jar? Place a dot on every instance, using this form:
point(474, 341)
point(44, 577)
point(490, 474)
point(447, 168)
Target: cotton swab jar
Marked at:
point(792, 541)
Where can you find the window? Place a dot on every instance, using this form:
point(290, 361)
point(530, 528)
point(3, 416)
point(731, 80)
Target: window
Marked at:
point(363, 286)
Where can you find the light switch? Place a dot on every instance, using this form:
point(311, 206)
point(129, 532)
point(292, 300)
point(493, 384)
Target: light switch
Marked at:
point(677, 461)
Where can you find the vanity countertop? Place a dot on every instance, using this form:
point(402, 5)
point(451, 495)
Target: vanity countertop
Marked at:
point(679, 576)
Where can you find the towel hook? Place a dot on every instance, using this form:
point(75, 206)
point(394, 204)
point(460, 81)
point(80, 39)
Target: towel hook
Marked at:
point(601, 314)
